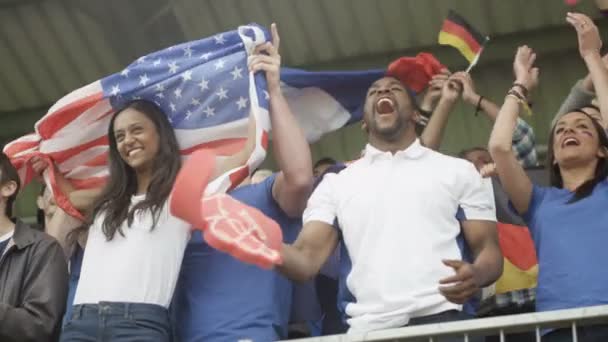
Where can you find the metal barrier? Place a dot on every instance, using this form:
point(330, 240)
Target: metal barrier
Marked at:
point(494, 326)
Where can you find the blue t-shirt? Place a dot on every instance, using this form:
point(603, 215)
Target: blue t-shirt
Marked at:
point(75, 266)
point(219, 298)
point(571, 245)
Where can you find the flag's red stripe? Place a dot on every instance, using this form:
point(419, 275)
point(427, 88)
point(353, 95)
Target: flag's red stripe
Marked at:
point(462, 33)
point(238, 176)
point(111, 111)
point(265, 140)
point(18, 147)
point(89, 183)
point(64, 115)
point(222, 147)
point(63, 155)
point(100, 160)
point(517, 246)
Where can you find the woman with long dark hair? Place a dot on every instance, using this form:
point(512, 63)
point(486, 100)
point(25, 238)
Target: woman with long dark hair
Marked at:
point(567, 220)
point(134, 247)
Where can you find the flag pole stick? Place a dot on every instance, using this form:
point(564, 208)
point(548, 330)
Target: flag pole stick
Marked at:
point(476, 59)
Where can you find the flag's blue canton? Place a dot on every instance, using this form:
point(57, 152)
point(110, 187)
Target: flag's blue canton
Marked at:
point(197, 84)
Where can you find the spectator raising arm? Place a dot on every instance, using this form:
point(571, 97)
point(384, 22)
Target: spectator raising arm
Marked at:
point(433, 92)
point(512, 176)
point(292, 153)
point(581, 94)
point(433, 132)
point(523, 139)
point(589, 45)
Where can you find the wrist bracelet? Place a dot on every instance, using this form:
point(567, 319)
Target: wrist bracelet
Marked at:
point(425, 112)
point(516, 93)
point(523, 88)
point(520, 101)
point(509, 94)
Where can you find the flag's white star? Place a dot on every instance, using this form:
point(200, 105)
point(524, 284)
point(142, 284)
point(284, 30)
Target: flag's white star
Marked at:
point(188, 52)
point(187, 75)
point(178, 93)
point(221, 94)
point(172, 106)
point(141, 59)
point(159, 87)
point(115, 90)
point(188, 114)
point(173, 67)
point(236, 73)
point(160, 95)
point(195, 102)
point(125, 72)
point(143, 79)
point(266, 95)
point(242, 103)
point(206, 56)
point(204, 85)
point(157, 62)
point(209, 111)
point(219, 64)
point(219, 39)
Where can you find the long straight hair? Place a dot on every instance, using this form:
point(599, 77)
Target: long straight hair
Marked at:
point(115, 201)
point(601, 169)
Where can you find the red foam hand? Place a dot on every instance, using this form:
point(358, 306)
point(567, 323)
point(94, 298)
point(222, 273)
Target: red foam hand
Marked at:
point(242, 231)
point(190, 185)
point(415, 72)
point(227, 224)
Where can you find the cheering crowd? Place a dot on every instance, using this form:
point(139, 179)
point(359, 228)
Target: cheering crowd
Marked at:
point(402, 236)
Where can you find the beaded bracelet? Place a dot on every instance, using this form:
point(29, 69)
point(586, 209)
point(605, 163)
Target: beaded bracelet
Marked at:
point(520, 100)
point(516, 94)
point(524, 90)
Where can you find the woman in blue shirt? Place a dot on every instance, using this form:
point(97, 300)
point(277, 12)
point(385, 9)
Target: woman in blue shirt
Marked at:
point(567, 220)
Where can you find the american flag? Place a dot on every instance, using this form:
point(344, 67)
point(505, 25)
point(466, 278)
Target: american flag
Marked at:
point(204, 87)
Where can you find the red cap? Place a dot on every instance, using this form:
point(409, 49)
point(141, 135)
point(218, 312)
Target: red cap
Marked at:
point(415, 72)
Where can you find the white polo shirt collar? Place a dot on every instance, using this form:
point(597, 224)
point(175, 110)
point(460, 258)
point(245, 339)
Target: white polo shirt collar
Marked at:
point(414, 151)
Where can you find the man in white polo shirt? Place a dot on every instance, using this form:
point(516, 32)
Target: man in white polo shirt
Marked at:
point(400, 210)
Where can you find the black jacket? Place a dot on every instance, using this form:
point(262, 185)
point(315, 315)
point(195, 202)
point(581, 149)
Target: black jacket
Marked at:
point(33, 287)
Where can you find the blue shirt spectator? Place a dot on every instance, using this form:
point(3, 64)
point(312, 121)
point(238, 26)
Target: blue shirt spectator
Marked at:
point(219, 298)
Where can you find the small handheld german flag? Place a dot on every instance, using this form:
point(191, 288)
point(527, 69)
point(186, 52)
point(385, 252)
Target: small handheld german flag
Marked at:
point(458, 33)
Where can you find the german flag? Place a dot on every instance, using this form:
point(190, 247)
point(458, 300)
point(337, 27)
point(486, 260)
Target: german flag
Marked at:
point(520, 260)
point(520, 263)
point(458, 33)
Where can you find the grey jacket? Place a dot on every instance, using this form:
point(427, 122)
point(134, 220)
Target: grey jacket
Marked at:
point(33, 287)
point(577, 98)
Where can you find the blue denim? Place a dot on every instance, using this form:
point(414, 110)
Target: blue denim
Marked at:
point(123, 322)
